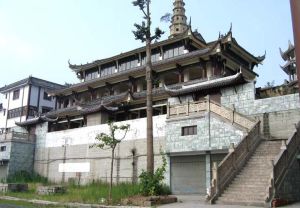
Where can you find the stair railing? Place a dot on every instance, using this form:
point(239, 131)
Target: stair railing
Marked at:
point(287, 155)
point(231, 165)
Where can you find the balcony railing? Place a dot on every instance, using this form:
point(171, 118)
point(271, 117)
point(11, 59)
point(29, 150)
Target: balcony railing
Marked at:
point(17, 136)
point(194, 108)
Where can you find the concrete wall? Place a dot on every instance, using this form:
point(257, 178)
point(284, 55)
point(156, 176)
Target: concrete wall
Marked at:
point(72, 146)
point(220, 136)
point(278, 115)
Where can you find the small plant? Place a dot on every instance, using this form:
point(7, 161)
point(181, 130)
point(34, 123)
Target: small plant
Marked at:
point(152, 184)
point(109, 141)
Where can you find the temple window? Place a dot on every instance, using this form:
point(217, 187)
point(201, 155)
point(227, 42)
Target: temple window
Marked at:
point(108, 69)
point(91, 74)
point(188, 130)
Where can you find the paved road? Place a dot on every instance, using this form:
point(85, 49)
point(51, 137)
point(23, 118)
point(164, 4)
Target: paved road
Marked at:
point(196, 201)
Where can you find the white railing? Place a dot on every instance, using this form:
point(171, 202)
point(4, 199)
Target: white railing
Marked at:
point(17, 136)
point(193, 108)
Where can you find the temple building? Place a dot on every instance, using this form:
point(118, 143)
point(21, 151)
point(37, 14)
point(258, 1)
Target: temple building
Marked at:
point(217, 133)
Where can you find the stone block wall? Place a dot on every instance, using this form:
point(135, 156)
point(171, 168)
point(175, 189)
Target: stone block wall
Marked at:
point(21, 157)
point(290, 189)
point(220, 136)
point(278, 115)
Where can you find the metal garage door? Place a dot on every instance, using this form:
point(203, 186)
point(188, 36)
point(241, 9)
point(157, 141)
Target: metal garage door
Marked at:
point(188, 175)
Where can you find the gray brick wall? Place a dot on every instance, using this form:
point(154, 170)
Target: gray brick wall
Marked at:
point(290, 189)
point(21, 157)
point(278, 115)
point(221, 134)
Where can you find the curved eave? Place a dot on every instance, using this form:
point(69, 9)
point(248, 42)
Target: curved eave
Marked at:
point(252, 59)
point(34, 121)
point(288, 67)
point(135, 72)
point(98, 108)
point(207, 85)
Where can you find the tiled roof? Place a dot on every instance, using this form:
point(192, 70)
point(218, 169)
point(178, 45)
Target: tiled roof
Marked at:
point(208, 84)
point(33, 81)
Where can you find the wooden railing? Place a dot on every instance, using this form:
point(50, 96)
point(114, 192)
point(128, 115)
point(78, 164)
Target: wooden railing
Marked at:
point(17, 136)
point(286, 157)
point(193, 108)
point(227, 170)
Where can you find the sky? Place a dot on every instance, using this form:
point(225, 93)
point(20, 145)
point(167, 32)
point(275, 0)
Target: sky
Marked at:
point(39, 37)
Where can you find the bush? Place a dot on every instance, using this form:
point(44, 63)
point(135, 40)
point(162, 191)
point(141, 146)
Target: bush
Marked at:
point(25, 177)
point(152, 184)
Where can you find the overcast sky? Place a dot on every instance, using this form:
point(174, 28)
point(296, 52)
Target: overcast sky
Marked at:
point(38, 37)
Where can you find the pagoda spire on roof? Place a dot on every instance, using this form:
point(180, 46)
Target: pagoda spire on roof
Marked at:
point(179, 20)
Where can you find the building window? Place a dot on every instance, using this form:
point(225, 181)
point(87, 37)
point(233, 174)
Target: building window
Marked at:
point(46, 110)
point(47, 97)
point(2, 148)
point(16, 94)
point(188, 130)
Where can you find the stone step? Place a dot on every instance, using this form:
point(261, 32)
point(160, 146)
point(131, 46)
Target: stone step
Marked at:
point(261, 186)
point(245, 195)
point(249, 187)
point(253, 180)
point(225, 201)
point(232, 197)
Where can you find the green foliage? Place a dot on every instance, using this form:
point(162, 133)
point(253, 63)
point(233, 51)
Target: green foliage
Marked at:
point(143, 30)
point(152, 184)
point(25, 177)
point(110, 141)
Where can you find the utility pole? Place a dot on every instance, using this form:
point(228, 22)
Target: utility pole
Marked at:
point(295, 10)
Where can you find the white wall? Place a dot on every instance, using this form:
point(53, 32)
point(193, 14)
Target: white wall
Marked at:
point(86, 135)
point(23, 101)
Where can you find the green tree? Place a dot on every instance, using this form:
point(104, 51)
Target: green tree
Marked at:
point(143, 33)
point(109, 141)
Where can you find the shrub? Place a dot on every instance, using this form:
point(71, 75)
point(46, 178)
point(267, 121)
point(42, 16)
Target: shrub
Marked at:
point(152, 184)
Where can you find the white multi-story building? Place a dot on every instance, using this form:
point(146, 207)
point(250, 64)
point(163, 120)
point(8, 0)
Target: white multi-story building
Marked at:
point(25, 99)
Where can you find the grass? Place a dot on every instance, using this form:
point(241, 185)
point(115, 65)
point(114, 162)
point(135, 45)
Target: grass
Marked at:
point(95, 193)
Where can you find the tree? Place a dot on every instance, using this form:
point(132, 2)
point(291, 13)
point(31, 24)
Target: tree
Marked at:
point(109, 141)
point(143, 33)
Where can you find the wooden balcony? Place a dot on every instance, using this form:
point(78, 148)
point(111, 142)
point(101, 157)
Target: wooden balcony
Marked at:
point(17, 136)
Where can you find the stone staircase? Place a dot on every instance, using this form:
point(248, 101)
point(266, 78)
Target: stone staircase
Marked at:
point(250, 186)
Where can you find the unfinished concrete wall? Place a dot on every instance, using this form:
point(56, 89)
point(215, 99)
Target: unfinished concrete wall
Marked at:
point(72, 146)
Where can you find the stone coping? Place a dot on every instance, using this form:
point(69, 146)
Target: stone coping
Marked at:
point(70, 205)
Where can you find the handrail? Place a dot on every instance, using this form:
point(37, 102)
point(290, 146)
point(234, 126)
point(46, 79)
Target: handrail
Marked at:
point(191, 108)
point(289, 150)
point(226, 171)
